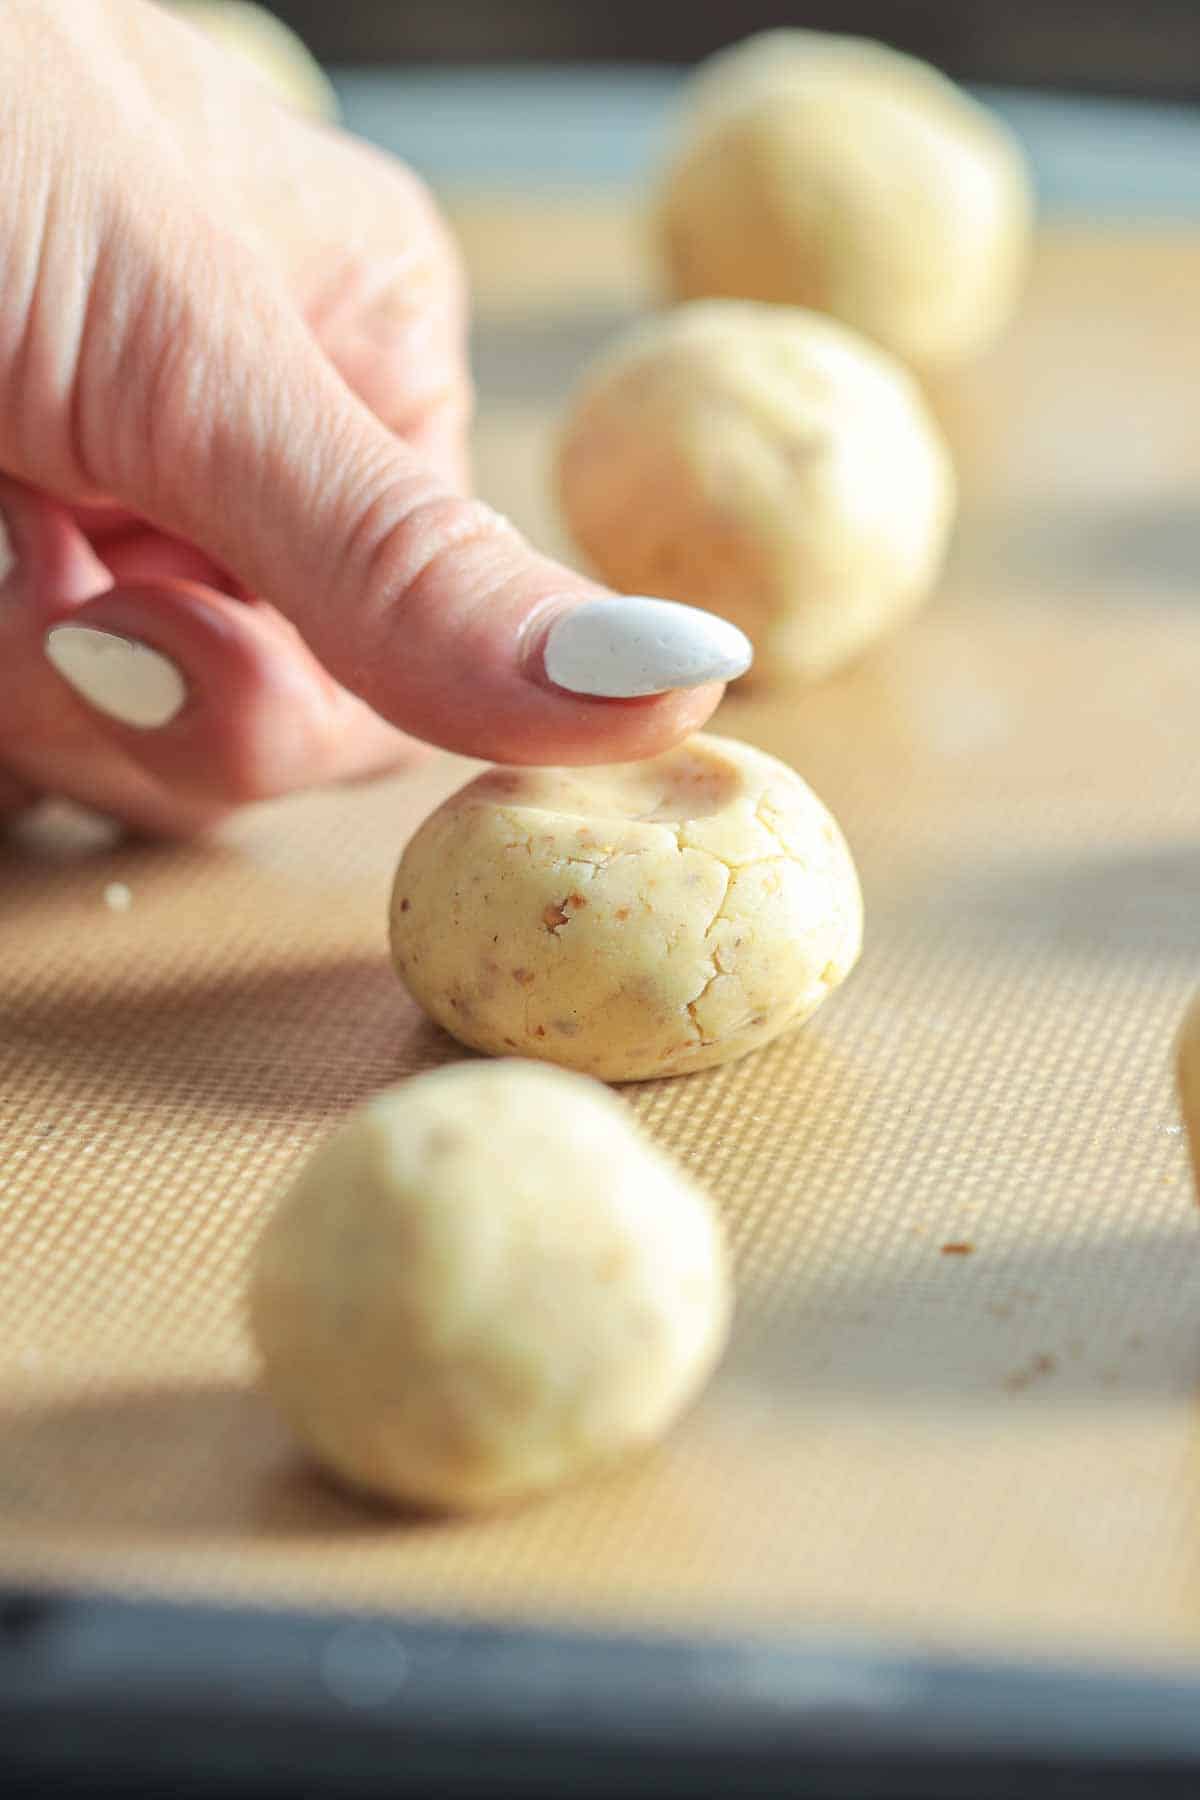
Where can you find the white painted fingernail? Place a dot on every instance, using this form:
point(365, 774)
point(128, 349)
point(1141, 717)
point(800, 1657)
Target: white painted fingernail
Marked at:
point(118, 676)
point(621, 648)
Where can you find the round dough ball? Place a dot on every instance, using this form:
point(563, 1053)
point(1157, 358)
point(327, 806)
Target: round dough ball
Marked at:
point(767, 464)
point(835, 173)
point(632, 921)
point(1187, 1074)
point(266, 48)
point(484, 1284)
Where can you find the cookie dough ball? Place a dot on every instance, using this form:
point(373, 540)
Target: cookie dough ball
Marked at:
point(834, 173)
point(267, 48)
point(767, 464)
point(632, 921)
point(1187, 1072)
point(484, 1284)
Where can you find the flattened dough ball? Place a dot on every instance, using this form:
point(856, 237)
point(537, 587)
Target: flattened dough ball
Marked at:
point(484, 1284)
point(267, 48)
point(1187, 1074)
point(764, 463)
point(632, 921)
point(836, 173)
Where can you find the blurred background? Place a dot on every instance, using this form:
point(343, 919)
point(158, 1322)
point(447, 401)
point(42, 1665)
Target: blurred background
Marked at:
point(1149, 47)
point(553, 94)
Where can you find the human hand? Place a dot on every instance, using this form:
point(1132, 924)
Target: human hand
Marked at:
point(232, 367)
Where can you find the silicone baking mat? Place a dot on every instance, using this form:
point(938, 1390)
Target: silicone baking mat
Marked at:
point(960, 1401)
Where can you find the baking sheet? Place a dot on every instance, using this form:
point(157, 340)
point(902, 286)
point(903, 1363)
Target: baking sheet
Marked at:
point(990, 1446)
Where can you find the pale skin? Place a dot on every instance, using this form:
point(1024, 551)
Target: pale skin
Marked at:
point(234, 407)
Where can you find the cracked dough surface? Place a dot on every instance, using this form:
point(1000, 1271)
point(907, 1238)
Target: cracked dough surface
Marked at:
point(486, 1282)
point(633, 921)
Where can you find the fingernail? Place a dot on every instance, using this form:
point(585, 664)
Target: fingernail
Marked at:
point(621, 648)
point(124, 679)
point(8, 561)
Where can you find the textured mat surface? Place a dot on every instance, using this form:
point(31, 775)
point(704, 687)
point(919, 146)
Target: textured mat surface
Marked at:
point(961, 1396)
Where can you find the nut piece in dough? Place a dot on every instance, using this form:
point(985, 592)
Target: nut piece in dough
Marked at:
point(640, 920)
point(486, 1283)
point(835, 173)
point(267, 48)
point(767, 464)
point(1187, 1074)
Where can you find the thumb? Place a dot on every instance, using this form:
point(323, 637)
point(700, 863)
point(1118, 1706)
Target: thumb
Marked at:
point(426, 603)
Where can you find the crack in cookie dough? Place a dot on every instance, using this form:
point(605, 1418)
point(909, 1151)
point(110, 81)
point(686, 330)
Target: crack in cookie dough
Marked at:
point(715, 969)
point(631, 921)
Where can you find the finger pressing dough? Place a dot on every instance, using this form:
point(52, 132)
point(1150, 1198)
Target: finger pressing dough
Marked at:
point(266, 48)
point(767, 464)
point(484, 1284)
point(835, 173)
point(1187, 1072)
point(633, 921)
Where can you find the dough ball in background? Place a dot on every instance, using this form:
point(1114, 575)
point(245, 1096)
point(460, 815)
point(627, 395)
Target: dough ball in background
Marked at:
point(768, 464)
point(1187, 1075)
point(267, 48)
point(834, 173)
point(632, 921)
point(484, 1284)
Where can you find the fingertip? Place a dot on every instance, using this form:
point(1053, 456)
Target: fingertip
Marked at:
point(219, 700)
point(593, 731)
point(530, 722)
point(191, 686)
